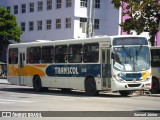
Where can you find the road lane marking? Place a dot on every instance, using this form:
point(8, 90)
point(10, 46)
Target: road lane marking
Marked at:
point(14, 101)
point(6, 102)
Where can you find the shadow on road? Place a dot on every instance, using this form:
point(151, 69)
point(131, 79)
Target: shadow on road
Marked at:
point(75, 93)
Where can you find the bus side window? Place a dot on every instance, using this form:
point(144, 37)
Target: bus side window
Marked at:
point(34, 54)
point(61, 54)
point(91, 53)
point(155, 61)
point(13, 56)
point(75, 53)
point(47, 54)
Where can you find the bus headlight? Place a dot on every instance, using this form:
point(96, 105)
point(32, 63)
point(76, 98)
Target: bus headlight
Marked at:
point(148, 78)
point(118, 78)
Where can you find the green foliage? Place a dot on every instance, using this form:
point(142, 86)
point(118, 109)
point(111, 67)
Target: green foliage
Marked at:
point(144, 16)
point(9, 29)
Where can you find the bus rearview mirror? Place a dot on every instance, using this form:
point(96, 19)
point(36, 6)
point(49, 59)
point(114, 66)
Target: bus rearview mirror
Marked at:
point(112, 55)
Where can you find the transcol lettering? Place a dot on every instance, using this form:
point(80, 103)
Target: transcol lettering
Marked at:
point(66, 70)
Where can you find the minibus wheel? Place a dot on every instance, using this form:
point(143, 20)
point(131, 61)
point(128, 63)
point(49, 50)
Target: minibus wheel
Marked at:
point(90, 86)
point(155, 86)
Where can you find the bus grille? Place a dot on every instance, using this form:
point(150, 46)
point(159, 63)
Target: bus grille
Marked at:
point(131, 76)
point(134, 85)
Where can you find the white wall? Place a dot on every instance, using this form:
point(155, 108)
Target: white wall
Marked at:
point(44, 15)
point(107, 15)
point(112, 19)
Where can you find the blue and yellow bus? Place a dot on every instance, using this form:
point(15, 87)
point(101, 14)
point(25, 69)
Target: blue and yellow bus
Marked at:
point(105, 63)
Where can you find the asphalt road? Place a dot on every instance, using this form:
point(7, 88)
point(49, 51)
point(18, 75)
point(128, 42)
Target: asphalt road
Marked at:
point(22, 98)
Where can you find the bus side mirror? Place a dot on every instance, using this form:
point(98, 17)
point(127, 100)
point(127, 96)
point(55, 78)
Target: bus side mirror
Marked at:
point(112, 55)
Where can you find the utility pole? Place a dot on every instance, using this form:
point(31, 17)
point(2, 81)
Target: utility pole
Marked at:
point(90, 20)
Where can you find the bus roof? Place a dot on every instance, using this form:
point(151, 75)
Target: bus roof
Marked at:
point(72, 41)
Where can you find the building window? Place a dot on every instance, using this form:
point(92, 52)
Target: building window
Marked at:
point(68, 22)
point(58, 4)
point(40, 5)
point(83, 3)
point(97, 3)
point(68, 3)
point(9, 8)
point(23, 26)
point(39, 25)
point(82, 20)
point(31, 26)
point(96, 23)
point(49, 4)
point(23, 8)
point(49, 24)
point(58, 23)
point(16, 9)
point(31, 7)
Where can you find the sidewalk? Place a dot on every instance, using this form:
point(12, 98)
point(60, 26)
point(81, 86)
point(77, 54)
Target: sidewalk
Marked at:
point(146, 93)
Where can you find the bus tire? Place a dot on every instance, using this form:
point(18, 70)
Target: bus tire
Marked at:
point(155, 86)
point(125, 93)
point(90, 87)
point(37, 86)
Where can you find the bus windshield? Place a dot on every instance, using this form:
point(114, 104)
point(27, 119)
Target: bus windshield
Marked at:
point(131, 59)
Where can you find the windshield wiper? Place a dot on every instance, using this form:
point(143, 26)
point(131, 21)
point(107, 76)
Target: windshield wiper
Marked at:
point(126, 51)
point(137, 52)
point(130, 57)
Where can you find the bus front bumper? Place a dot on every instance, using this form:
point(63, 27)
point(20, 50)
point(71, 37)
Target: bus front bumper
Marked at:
point(135, 85)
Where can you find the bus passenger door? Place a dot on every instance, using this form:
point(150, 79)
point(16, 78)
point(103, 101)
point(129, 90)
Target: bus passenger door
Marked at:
point(22, 69)
point(106, 68)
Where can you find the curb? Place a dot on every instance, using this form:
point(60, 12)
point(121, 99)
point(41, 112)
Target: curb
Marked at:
point(154, 95)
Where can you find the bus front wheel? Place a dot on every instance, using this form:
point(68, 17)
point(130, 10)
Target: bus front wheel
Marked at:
point(155, 86)
point(90, 87)
point(125, 93)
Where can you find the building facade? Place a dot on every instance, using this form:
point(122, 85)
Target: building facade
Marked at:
point(63, 19)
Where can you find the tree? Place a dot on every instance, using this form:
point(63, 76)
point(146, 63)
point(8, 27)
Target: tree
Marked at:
point(144, 16)
point(9, 29)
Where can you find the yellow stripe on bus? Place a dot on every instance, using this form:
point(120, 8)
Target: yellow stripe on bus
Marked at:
point(145, 75)
point(13, 70)
point(26, 71)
